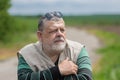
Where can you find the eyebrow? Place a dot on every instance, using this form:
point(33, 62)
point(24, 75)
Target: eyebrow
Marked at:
point(55, 28)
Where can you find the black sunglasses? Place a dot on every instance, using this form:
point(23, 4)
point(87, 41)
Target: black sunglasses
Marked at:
point(53, 14)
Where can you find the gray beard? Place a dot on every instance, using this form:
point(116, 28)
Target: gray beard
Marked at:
point(55, 48)
point(58, 48)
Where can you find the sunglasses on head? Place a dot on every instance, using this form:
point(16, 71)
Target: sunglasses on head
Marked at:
point(53, 14)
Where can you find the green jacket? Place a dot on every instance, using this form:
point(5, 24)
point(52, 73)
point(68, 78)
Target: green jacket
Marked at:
point(42, 69)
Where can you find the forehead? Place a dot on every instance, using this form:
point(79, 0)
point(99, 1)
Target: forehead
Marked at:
point(54, 24)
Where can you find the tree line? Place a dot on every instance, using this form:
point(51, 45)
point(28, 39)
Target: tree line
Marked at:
point(6, 21)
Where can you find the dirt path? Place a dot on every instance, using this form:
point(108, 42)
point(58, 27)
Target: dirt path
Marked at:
point(8, 68)
point(90, 41)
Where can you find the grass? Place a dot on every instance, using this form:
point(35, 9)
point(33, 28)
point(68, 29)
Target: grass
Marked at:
point(109, 65)
point(25, 33)
point(93, 20)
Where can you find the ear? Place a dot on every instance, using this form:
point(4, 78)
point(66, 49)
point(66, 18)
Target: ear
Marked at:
point(39, 35)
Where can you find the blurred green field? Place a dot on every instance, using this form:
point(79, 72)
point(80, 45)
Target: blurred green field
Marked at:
point(93, 20)
point(109, 65)
point(26, 27)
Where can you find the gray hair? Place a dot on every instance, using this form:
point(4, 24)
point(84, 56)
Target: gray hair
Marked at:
point(51, 16)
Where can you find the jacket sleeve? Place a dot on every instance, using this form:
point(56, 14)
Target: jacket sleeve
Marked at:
point(84, 67)
point(26, 73)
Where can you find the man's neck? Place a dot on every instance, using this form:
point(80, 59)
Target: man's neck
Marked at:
point(52, 54)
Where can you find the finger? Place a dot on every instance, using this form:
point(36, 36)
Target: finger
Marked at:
point(76, 66)
point(76, 69)
point(74, 72)
point(73, 64)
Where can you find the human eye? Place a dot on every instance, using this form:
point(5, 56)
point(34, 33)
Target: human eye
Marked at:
point(62, 30)
point(53, 31)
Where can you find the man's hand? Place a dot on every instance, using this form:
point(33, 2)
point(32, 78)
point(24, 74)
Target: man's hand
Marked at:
point(67, 67)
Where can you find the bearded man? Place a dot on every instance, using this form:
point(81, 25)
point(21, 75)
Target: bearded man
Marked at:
point(53, 56)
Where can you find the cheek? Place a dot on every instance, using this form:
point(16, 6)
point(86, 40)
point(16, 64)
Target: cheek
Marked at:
point(64, 35)
point(48, 38)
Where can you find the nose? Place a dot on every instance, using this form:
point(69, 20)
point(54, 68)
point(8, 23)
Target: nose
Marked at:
point(59, 33)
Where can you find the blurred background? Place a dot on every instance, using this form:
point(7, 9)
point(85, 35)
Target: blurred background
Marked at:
point(101, 18)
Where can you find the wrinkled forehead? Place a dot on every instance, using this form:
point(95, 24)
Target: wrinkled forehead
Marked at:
point(54, 22)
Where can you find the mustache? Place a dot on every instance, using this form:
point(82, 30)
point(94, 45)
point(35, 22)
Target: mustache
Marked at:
point(59, 39)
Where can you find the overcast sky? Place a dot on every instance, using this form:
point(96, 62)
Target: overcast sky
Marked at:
point(74, 7)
